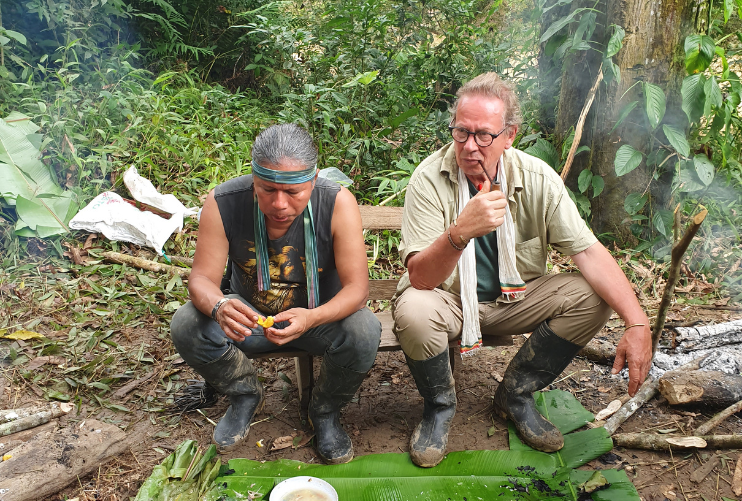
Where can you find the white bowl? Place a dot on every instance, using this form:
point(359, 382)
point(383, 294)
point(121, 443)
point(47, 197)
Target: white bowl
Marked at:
point(310, 485)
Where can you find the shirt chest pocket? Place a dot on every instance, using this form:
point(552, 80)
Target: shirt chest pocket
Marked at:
point(530, 259)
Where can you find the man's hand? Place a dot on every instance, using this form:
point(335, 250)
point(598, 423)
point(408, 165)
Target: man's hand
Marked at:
point(236, 319)
point(482, 215)
point(299, 323)
point(635, 347)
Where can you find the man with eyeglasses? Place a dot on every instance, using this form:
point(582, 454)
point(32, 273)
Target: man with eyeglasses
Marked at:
point(477, 221)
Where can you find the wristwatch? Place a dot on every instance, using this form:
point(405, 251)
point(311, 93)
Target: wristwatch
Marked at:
point(218, 305)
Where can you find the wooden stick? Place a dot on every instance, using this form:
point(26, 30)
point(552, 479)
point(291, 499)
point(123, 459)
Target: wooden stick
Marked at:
point(646, 392)
point(581, 125)
point(598, 351)
point(678, 251)
point(26, 420)
point(145, 264)
point(185, 261)
point(712, 423)
point(659, 442)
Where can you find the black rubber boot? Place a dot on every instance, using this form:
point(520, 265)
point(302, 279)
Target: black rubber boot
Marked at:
point(334, 388)
point(436, 385)
point(536, 365)
point(233, 375)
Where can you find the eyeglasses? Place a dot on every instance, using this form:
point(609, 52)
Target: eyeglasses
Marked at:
point(482, 138)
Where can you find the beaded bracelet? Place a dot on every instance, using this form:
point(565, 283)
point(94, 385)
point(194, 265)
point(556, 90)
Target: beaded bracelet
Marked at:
point(450, 240)
point(461, 237)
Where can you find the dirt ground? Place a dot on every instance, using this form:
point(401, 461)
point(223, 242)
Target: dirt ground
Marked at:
point(386, 410)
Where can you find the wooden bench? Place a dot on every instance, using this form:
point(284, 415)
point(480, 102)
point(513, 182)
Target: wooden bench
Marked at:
point(374, 218)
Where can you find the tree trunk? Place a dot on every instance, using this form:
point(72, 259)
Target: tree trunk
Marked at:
point(652, 52)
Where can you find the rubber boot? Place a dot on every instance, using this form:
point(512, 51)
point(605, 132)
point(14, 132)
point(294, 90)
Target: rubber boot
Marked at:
point(233, 375)
point(436, 385)
point(540, 360)
point(335, 387)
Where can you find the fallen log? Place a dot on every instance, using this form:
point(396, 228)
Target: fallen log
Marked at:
point(145, 264)
point(707, 336)
point(651, 442)
point(645, 393)
point(707, 388)
point(712, 423)
point(15, 420)
point(598, 351)
point(45, 465)
point(678, 251)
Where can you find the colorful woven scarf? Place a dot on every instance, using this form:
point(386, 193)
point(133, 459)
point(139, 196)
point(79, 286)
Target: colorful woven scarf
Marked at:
point(513, 287)
point(261, 234)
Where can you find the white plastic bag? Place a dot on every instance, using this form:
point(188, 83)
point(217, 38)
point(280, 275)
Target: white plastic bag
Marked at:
point(143, 191)
point(111, 215)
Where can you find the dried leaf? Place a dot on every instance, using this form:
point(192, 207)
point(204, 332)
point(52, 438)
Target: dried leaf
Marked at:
point(687, 442)
point(491, 431)
point(24, 335)
point(608, 411)
point(282, 443)
point(39, 361)
point(89, 241)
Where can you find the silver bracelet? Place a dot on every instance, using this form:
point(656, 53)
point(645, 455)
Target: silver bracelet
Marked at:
point(218, 305)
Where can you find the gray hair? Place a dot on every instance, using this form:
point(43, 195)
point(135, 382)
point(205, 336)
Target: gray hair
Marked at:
point(491, 85)
point(283, 142)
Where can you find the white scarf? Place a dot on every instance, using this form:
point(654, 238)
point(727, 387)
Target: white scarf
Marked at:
point(513, 287)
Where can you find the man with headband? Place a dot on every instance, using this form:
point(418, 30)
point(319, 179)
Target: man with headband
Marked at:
point(477, 221)
point(296, 249)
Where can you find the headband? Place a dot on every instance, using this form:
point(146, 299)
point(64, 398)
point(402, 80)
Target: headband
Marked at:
point(283, 176)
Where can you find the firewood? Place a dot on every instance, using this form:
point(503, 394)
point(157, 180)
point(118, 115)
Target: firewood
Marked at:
point(645, 393)
point(598, 351)
point(17, 420)
point(707, 388)
point(652, 442)
point(145, 264)
point(712, 423)
point(707, 336)
point(678, 251)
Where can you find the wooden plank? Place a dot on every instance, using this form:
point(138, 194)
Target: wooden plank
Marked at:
point(381, 218)
point(304, 379)
point(382, 289)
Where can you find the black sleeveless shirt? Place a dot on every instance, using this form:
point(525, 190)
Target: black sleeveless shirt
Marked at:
point(288, 287)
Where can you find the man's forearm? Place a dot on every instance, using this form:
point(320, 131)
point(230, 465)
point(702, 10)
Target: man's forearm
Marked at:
point(203, 293)
point(432, 266)
point(350, 299)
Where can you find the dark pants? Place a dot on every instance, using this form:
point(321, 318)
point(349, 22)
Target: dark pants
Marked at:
point(350, 343)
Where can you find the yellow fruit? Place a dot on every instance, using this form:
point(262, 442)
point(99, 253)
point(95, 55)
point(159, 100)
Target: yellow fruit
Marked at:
point(265, 322)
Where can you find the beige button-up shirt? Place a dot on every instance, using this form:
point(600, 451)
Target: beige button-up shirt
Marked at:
point(543, 212)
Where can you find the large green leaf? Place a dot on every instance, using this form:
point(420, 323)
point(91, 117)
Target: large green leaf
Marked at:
point(559, 24)
point(677, 139)
point(393, 477)
point(627, 159)
point(635, 202)
point(624, 113)
point(598, 185)
point(728, 9)
point(43, 208)
point(694, 98)
point(704, 168)
point(616, 42)
point(621, 488)
point(579, 448)
point(584, 180)
point(699, 52)
point(713, 95)
point(663, 221)
point(689, 181)
point(544, 150)
point(654, 103)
